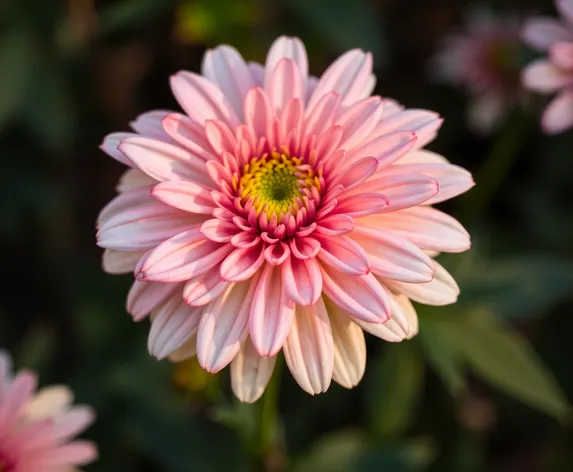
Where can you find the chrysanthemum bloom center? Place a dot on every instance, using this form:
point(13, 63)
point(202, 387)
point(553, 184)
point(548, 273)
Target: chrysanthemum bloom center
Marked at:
point(276, 183)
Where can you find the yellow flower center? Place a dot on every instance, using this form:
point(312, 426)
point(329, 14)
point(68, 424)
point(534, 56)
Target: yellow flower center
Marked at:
point(276, 183)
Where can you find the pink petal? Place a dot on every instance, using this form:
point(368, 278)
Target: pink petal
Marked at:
point(201, 99)
point(258, 112)
point(356, 173)
point(561, 55)
point(423, 123)
point(150, 124)
point(220, 137)
point(271, 312)
point(389, 331)
point(224, 326)
point(204, 288)
point(348, 76)
point(287, 47)
point(349, 348)
point(565, 8)
point(361, 295)
point(428, 228)
point(309, 351)
point(116, 262)
point(75, 453)
point(183, 257)
point(163, 161)
point(125, 201)
point(358, 121)
point(320, 117)
point(276, 254)
point(72, 422)
point(393, 256)
point(187, 196)
point(401, 303)
point(361, 204)
point(132, 179)
point(257, 73)
point(242, 263)
point(302, 280)
point(15, 398)
point(144, 297)
point(220, 231)
point(422, 156)
point(343, 254)
point(335, 225)
point(225, 67)
point(558, 115)
point(543, 76)
point(175, 322)
point(387, 148)
point(403, 189)
point(284, 84)
point(442, 290)
point(190, 135)
point(186, 351)
point(143, 227)
point(250, 373)
point(110, 146)
point(541, 33)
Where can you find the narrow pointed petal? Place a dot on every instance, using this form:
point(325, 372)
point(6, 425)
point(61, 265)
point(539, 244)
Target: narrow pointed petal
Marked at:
point(442, 290)
point(271, 312)
point(286, 47)
point(242, 263)
point(428, 228)
point(361, 295)
point(309, 350)
point(183, 257)
point(224, 326)
point(284, 84)
point(558, 115)
point(144, 297)
point(258, 112)
point(187, 196)
point(347, 76)
point(349, 347)
point(343, 254)
point(302, 280)
point(201, 99)
point(226, 68)
point(250, 373)
point(174, 323)
point(163, 161)
point(393, 256)
point(116, 262)
point(204, 288)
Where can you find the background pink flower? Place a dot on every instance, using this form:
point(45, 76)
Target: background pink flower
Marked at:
point(281, 212)
point(37, 429)
point(553, 74)
point(483, 60)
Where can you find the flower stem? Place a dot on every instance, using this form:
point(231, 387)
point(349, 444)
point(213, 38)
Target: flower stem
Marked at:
point(269, 422)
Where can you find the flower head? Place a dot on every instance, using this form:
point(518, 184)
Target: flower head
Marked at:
point(280, 212)
point(37, 429)
point(483, 60)
point(553, 74)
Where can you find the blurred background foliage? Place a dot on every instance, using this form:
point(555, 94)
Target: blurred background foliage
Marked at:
point(484, 387)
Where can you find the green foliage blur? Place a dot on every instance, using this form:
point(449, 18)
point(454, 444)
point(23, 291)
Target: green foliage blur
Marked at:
point(484, 387)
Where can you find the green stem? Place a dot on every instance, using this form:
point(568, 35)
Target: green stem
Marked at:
point(493, 172)
point(269, 415)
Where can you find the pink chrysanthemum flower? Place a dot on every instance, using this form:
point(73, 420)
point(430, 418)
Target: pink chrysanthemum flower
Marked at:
point(284, 212)
point(483, 60)
point(37, 429)
point(554, 73)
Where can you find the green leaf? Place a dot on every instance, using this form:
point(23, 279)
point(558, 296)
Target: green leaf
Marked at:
point(395, 389)
point(519, 287)
point(505, 359)
point(17, 56)
point(346, 23)
point(333, 453)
